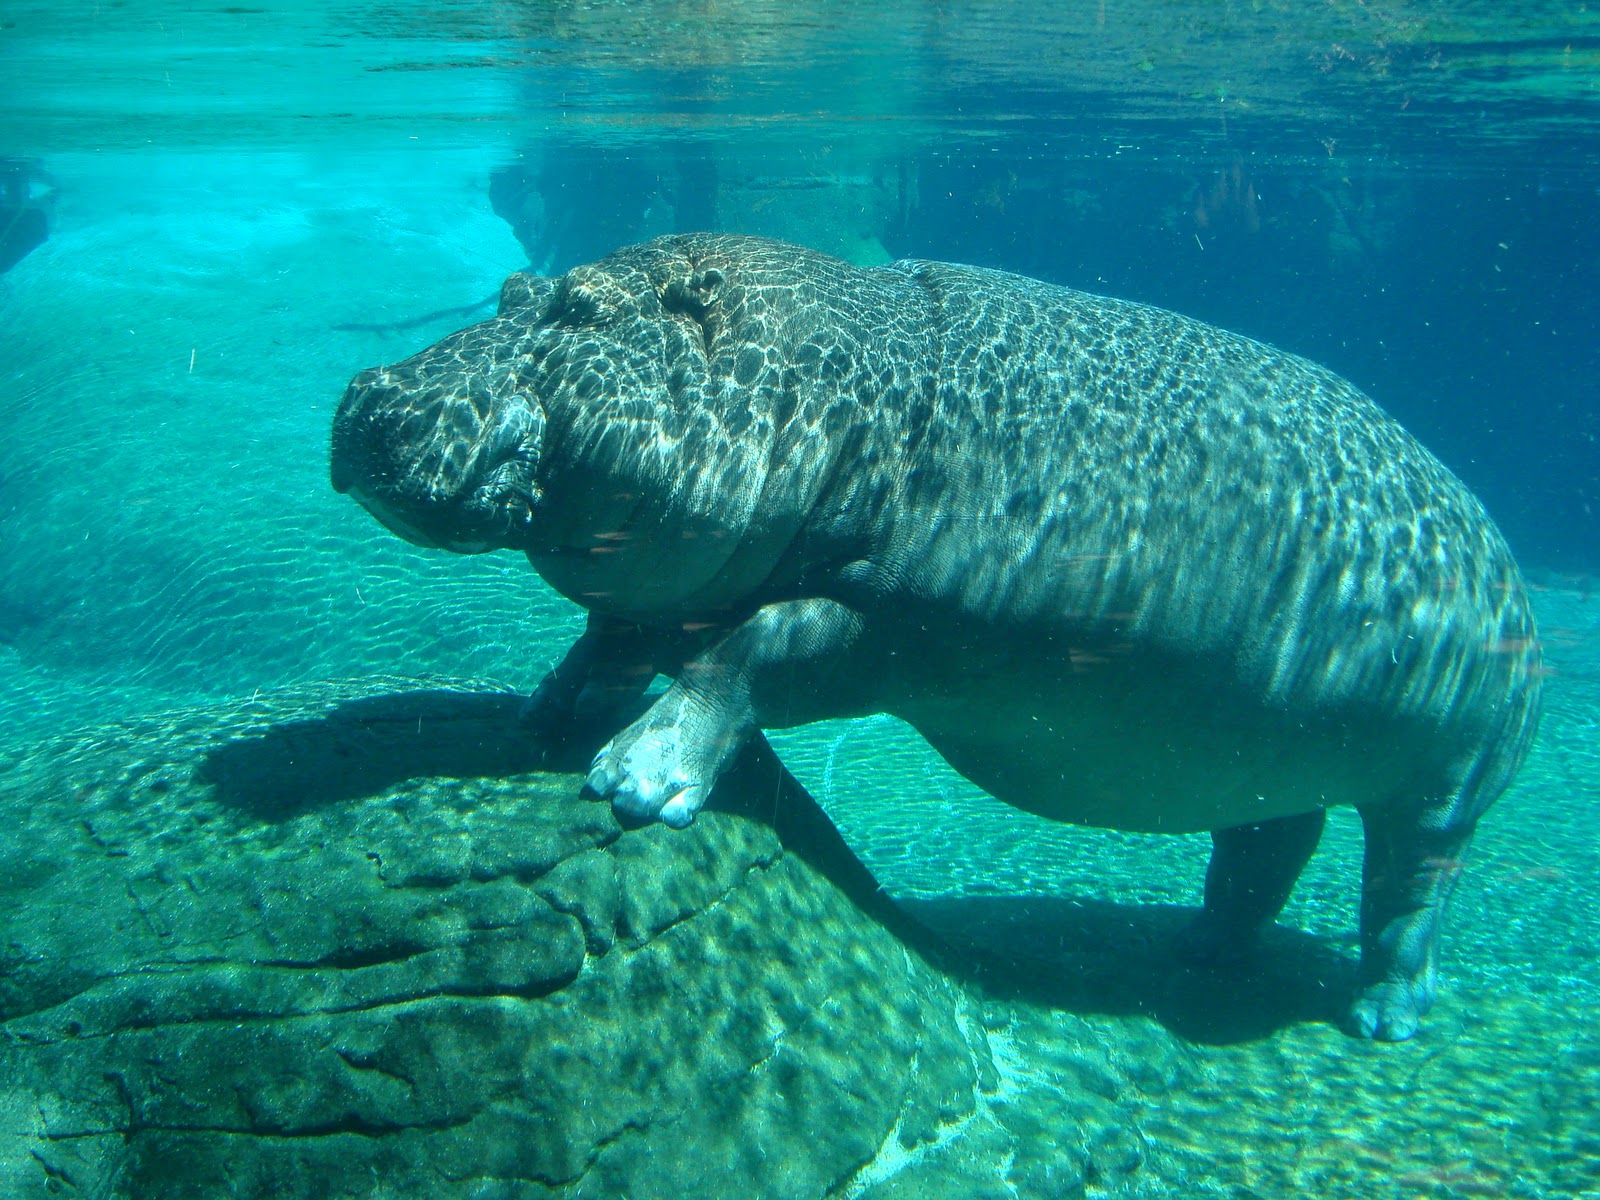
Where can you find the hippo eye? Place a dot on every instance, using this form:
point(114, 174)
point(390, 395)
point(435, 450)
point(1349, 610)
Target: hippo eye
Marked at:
point(696, 297)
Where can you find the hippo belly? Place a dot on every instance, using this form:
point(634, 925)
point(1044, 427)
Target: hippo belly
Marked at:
point(1150, 746)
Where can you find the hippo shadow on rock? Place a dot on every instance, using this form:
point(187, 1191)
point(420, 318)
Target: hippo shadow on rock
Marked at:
point(1075, 954)
point(1085, 955)
point(359, 747)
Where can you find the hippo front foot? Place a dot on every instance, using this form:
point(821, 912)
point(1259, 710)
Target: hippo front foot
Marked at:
point(551, 712)
point(664, 765)
point(596, 689)
point(1390, 1011)
point(567, 731)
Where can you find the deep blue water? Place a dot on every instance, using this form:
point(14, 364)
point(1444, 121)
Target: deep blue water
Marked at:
point(1464, 295)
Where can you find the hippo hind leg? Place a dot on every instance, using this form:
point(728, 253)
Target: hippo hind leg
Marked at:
point(1412, 860)
point(1253, 869)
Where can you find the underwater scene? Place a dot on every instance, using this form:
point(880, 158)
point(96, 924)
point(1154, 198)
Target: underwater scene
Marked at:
point(734, 599)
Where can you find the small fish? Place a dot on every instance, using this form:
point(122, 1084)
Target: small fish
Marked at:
point(1511, 645)
point(1538, 874)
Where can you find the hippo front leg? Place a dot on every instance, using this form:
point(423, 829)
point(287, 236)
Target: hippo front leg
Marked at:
point(1412, 861)
point(786, 665)
point(595, 688)
point(601, 673)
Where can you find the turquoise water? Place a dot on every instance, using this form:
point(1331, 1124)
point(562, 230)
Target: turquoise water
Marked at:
point(247, 204)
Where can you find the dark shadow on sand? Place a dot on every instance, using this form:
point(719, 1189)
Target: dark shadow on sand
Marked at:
point(1077, 954)
point(1085, 955)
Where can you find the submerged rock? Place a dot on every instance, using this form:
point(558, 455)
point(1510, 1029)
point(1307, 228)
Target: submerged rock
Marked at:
point(334, 943)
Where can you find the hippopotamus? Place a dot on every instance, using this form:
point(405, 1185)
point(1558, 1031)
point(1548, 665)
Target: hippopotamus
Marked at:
point(1118, 567)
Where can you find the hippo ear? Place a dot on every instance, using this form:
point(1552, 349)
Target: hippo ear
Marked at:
point(525, 291)
point(694, 294)
point(587, 294)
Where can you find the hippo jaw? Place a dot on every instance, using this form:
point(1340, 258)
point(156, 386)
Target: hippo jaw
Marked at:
point(447, 463)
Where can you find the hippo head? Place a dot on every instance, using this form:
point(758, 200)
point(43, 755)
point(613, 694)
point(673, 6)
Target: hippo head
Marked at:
point(585, 411)
point(443, 448)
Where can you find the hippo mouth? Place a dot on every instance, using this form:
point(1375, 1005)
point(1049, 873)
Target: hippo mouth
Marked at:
point(495, 513)
point(433, 487)
point(500, 508)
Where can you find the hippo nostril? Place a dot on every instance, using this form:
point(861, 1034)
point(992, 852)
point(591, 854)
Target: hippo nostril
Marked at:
point(441, 459)
point(362, 429)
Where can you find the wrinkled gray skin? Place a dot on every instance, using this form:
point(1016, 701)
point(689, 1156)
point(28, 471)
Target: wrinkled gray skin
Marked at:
point(1118, 567)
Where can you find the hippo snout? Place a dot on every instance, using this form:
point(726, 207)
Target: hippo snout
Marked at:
point(351, 448)
point(443, 463)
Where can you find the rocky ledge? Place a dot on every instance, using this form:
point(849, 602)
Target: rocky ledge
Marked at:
point(368, 941)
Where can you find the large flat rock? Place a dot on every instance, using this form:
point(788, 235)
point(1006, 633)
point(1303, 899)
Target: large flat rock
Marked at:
point(360, 941)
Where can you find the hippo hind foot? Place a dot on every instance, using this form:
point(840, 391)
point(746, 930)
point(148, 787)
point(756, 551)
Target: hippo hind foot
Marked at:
point(1390, 1011)
point(1253, 868)
point(1210, 942)
point(1412, 860)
